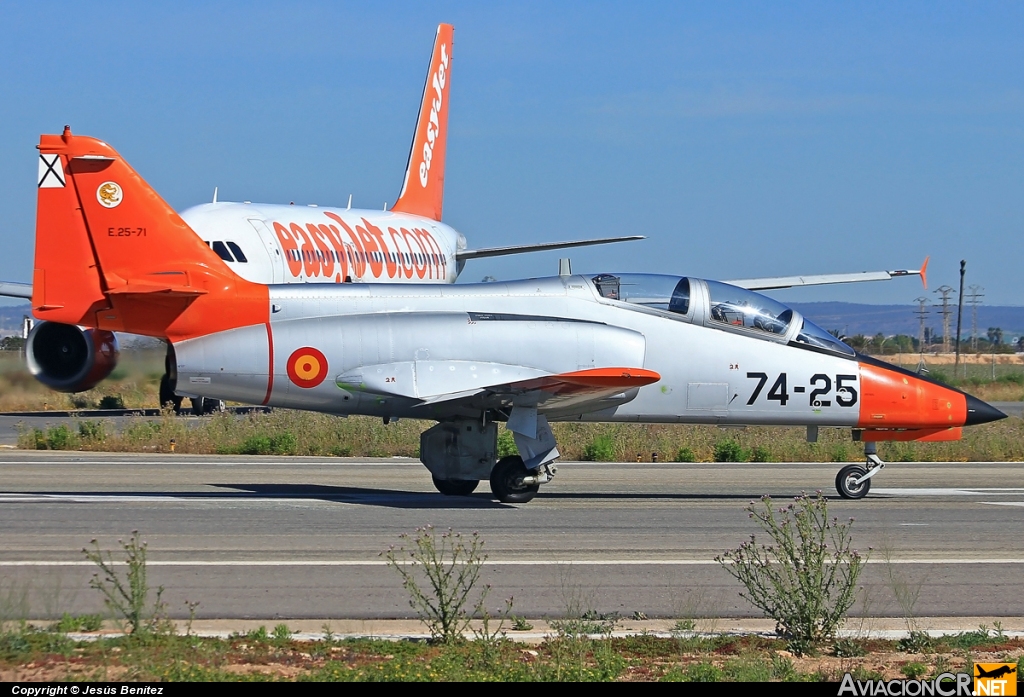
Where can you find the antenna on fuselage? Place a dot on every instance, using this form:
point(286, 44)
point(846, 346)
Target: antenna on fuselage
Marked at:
point(349, 206)
point(215, 194)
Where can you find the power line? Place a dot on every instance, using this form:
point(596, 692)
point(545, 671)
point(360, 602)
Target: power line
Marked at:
point(945, 311)
point(922, 316)
point(974, 298)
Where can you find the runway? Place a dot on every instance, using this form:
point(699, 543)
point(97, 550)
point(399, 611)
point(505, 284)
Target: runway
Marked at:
point(266, 537)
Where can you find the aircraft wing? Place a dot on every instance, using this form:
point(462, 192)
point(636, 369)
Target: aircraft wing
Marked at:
point(450, 383)
point(547, 246)
point(16, 290)
point(776, 282)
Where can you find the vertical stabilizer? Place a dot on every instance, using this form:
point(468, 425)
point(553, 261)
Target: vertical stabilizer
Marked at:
point(423, 190)
point(112, 254)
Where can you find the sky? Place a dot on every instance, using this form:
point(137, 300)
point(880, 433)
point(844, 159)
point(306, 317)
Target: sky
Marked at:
point(743, 139)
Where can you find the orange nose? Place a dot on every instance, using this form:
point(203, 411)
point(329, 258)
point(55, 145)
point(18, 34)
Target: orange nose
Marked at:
point(893, 399)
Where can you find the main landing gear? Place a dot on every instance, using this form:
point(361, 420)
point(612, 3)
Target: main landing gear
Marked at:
point(462, 452)
point(854, 481)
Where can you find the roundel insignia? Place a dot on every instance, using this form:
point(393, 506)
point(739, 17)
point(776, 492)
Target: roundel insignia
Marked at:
point(307, 367)
point(109, 195)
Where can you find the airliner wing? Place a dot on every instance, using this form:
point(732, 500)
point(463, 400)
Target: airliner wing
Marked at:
point(16, 290)
point(773, 283)
point(524, 248)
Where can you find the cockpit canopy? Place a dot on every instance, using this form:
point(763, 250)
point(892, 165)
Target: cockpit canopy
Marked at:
point(719, 305)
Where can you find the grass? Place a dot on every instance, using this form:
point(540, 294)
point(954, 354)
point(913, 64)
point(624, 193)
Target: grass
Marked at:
point(27, 652)
point(286, 432)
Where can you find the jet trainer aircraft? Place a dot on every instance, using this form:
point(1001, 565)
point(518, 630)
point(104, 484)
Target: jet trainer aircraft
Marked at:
point(390, 337)
point(112, 256)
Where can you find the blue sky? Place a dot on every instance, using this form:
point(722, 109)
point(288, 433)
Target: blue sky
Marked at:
point(744, 139)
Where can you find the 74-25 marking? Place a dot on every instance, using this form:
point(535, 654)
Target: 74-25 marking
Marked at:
point(845, 392)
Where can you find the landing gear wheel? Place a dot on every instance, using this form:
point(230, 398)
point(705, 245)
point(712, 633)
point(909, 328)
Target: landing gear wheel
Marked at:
point(507, 481)
point(198, 406)
point(846, 482)
point(167, 396)
point(456, 487)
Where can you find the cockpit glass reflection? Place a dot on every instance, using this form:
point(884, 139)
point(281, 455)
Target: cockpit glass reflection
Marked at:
point(669, 293)
point(739, 307)
point(813, 335)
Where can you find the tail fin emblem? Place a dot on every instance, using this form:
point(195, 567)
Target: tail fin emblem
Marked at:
point(109, 195)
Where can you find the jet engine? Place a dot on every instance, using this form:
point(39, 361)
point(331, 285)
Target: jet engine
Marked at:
point(67, 358)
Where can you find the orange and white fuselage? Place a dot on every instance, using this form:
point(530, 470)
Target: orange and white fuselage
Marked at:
point(274, 244)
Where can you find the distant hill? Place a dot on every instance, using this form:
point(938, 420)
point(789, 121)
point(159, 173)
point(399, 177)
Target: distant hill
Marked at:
point(853, 318)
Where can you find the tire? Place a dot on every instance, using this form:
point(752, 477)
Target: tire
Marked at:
point(506, 481)
point(198, 404)
point(167, 396)
point(456, 487)
point(845, 482)
point(212, 406)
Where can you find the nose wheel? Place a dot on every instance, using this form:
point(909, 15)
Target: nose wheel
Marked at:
point(854, 481)
point(850, 482)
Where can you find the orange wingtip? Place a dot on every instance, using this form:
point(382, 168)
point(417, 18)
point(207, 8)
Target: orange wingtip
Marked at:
point(924, 272)
point(611, 377)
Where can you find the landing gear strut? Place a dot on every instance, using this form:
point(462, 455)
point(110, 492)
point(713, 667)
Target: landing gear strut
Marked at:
point(854, 481)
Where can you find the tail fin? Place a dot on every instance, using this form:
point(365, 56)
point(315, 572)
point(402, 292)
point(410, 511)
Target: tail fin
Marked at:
point(112, 254)
point(423, 190)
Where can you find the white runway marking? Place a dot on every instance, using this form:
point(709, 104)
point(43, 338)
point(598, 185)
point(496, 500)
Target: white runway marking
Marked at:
point(948, 492)
point(490, 562)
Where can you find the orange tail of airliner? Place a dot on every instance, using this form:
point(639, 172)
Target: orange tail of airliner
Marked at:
point(423, 190)
point(111, 254)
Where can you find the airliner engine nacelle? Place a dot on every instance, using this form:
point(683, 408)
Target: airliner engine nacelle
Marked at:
point(68, 358)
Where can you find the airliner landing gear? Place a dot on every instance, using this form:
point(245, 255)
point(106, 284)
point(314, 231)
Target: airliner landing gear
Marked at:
point(169, 382)
point(854, 481)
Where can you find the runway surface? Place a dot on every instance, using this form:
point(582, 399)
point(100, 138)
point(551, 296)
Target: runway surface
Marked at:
point(266, 537)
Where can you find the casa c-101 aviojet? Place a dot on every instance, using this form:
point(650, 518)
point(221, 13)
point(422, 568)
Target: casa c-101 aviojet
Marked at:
point(112, 256)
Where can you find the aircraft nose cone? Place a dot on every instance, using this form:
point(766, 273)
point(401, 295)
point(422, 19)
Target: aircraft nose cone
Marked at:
point(978, 412)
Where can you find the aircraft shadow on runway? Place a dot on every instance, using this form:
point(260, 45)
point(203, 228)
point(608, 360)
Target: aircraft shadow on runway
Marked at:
point(368, 496)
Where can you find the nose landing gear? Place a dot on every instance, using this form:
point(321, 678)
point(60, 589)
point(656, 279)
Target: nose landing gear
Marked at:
point(854, 481)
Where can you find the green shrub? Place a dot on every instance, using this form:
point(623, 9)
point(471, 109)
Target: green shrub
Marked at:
point(277, 444)
point(760, 454)
point(92, 430)
point(729, 450)
point(685, 454)
point(601, 449)
point(506, 443)
point(806, 578)
point(112, 401)
point(60, 438)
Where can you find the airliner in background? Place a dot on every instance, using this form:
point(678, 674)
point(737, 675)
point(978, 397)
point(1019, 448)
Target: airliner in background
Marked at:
point(280, 244)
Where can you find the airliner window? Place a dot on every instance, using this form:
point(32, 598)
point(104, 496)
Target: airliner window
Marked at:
point(739, 307)
point(813, 335)
point(237, 251)
point(222, 251)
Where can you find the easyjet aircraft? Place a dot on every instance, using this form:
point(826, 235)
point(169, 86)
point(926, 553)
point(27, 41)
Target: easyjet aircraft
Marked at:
point(270, 243)
point(112, 256)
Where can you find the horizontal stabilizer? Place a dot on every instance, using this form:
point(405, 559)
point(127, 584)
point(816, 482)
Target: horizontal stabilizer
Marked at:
point(547, 246)
point(16, 290)
point(774, 283)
